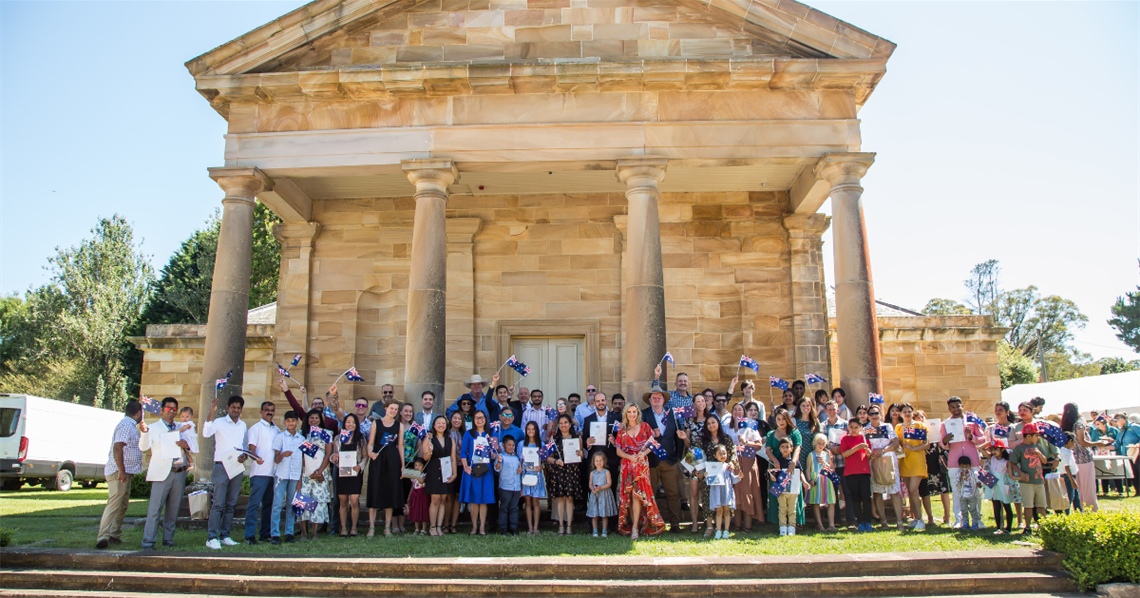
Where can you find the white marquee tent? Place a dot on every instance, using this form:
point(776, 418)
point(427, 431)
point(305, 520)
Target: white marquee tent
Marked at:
point(1113, 392)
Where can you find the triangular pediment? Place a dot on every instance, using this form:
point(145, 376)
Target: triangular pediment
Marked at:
point(334, 34)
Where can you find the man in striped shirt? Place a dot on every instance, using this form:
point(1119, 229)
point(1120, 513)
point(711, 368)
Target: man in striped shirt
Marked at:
point(123, 462)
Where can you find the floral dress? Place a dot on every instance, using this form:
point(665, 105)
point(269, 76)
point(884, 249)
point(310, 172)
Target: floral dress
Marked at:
point(635, 483)
point(563, 480)
point(807, 437)
point(937, 479)
point(695, 428)
point(321, 491)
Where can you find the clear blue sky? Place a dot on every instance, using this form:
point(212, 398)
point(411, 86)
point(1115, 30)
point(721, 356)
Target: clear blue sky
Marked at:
point(1003, 130)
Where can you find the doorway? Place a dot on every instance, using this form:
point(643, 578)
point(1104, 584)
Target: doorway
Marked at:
point(556, 363)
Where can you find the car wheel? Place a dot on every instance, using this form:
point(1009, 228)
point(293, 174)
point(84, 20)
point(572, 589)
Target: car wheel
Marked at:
point(63, 480)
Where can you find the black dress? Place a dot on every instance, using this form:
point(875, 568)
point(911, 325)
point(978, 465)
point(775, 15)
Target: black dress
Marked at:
point(435, 482)
point(384, 488)
point(350, 485)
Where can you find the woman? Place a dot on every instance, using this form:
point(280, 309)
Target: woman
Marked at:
point(694, 433)
point(1086, 470)
point(912, 466)
point(788, 404)
point(861, 415)
point(883, 448)
point(386, 442)
point(637, 509)
point(315, 479)
point(411, 451)
point(456, 428)
point(937, 479)
point(808, 424)
point(1128, 436)
point(714, 436)
point(840, 397)
point(436, 447)
point(894, 414)
point(784, 428)
point(561, 407)
point(348, 486)
point(746, 390)
point(466, 409)
point(753, 470)
point(478, 487)
point(564, 485)
point(1103, 430)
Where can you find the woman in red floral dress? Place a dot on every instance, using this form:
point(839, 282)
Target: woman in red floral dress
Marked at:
point(637, 500)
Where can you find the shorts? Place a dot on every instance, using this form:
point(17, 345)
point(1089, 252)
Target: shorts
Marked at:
point(1033, 495)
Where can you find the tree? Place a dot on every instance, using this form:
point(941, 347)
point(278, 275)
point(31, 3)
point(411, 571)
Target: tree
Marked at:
point(265, 266)
point(1116, 365)
point(1126, 319)
point(1031, 317)
point(1070, 363)
point(1014, 367)
point(984, 287)
point(945, 307)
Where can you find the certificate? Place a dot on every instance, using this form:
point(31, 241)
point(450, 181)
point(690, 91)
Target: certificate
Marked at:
point(956, 427)
point(445, 469)
point(530, 454)
point(233, 468)
point(347, 462)
point(835, 435)
point(934, 425)
point(598, 433)
point(570, 448)
point(714, 473)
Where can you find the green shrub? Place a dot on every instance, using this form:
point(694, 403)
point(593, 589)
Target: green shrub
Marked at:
point(1098, 547)
point(245, 490)
point(5, 536)
point(140, 488)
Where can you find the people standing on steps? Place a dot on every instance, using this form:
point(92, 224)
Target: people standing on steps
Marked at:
point(229, 434)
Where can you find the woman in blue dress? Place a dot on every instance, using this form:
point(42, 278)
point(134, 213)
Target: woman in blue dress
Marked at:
point(531, 494)
point(477, 488)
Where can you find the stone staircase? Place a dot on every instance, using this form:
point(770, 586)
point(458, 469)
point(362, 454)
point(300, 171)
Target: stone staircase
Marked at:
point(59, 573)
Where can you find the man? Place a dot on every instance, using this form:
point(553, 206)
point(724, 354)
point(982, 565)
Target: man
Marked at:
point(967, 446)
point(360, 410)
point(503, 402)
point(534, 412)
point(573, 404)
point(524, 395)
point(663, 472)
point(387, 392)
point(328, 423)
point(679, 397)
point(427, 409)
point(260, 439)
point(720, 406)
point(166, 474)
point(617, 404)
point(507, 427)
point(124, 460)
point(229, 434)
point(834, 422)
point(586, 407)
point(475, 385)
point(601, 413)
point(747, 389)
point(798, 388)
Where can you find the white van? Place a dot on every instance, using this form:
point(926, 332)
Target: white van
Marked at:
point(53, 443)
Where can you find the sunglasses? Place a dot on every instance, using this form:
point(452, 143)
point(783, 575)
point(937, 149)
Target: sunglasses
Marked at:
point(591, 390)
point(722, 400)
point(362, 405)
point(389, 392)
point(873, 413)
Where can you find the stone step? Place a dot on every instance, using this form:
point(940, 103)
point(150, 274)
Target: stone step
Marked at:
point(545, 568)
point(17, 593)
point(341, 587)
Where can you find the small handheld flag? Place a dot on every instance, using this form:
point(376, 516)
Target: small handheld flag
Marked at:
point(284, 372)
point(386, 439)
point(745, 451)
point(914, 434)
point(1052, 433)
point(748, 362)
point(483, 451)
point(814, 379)
point(658, 449)
point(876, 432)
point(617, 428)
point(987, 478)
point(547, 450)
point(1001, 431)
point(221, 383)
point(303, 503)
point(518, 366)
point(775, 382)
point(150, 405)
point(418, 430)
point(685, 412)
point(875, 398)
point(831, 475)
point(971, 417)
point(495, 427)
point(551, 414)
point(309, 449)
point(321, 433)
point(345, 435)
point(352, 374)
point(669, 357)
point(781, 484)
point(296, 360)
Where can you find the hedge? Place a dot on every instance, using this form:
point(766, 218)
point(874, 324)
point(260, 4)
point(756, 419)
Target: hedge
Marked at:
point(1098, 547)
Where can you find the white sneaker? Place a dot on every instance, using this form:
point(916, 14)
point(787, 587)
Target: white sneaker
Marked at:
point(213, 544)
point(783, 530)
point(595, 533)
point(913, 523)
point(791, 530)
point(919, 525)
point(227, 541)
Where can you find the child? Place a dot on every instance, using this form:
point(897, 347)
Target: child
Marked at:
point(418, 499)
point(187, 433)
point(1069, 471)
point(510, 487)
point(1028, 462)
point(600, 504)
point(968, 488)
point(857, 472)
point(823, 491)
point(532, 492)
point(722, 497)
point(287, 474)
point(1002, 495)
point(788, 497)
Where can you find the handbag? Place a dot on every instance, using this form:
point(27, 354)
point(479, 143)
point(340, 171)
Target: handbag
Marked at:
point(479, 469)
point(883, 471)
point(530, 478)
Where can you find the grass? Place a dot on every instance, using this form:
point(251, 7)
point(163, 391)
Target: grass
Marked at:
point(70, 520)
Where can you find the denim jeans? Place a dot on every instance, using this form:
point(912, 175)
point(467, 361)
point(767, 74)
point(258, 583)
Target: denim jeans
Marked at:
point(282, 499)
point(259, 505)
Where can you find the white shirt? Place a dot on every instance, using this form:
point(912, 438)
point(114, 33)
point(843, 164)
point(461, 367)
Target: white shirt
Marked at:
point(228, 435)
point(261, 436)
point(290, 467)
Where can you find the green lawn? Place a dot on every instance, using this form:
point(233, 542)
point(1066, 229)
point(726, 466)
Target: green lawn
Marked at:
point(70, 520)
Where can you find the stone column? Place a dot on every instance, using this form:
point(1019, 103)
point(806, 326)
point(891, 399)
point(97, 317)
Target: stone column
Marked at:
point(229, 298)
point(426, 349)
point(644, 279)
point(809, 293)
point(856, 323)
point(294, 296)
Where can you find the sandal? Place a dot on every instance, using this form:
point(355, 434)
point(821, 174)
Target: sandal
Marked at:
point(353, 534)
point(708, 531)
point(387, 531)
point(633, 536)
point(344, 534)
point(371, 532)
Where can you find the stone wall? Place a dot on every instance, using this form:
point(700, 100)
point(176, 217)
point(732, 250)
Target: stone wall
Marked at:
point(927, 359)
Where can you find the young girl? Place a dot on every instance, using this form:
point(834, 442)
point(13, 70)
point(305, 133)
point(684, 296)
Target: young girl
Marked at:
point(532, 494)
point(315, 474)
point(722, 497)
point(715, 436)
point(349, 481)
point(601, 503)
point(418, 499)
point(1002, 494)
point(791, 494)
point(822, 493)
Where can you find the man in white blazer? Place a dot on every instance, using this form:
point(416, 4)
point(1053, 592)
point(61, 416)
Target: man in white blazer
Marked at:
point(166, 473)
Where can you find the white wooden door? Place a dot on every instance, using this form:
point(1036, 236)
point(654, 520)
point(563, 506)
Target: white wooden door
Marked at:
point(556, 364)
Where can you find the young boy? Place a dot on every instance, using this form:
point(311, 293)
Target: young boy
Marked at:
point(1027, 466)
point(790, 496)
point(510, 487)
point(969, 491)
point(287, 456)
point(1069, 471)
point(186, 432)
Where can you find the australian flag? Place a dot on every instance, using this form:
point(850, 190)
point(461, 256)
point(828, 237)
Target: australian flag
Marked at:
point(658, 449)
point(669, 357)
point(551, 414)
point(814, 379)
point(876, 431)
point(987, 478)
point(484, 451)
point(971, 417)
point(745, 451)
point(353, 375)
point(495, 427)
point(914, 434)
point(296, 360)
point(748, 362)
point(1001, 431)
point(150, 405)
point(747, 423)
point(283, 371)
point(875, 398)
point(781, 484)
point(418, 430)
point(775, 382)
point(345, 435)
point(547, 450)
point(518, 366)
point(221, 383)
point(617, 428)
point(321, 433)
point(302, 503)
point(386, 439)
point(685, 412)
point(1053, 434)
point(309, 448)
point(831, 475)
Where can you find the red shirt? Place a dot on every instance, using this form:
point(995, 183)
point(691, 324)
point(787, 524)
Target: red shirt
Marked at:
point(857, 462)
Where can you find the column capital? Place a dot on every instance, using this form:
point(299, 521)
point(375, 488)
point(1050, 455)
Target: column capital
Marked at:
point(641, 171)
point(433, 173)
point(845, 169)
point(809, 225)
point(297, 234)
point(240, 183)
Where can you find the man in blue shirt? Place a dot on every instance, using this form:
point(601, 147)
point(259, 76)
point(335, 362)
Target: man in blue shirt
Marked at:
point(507, 427)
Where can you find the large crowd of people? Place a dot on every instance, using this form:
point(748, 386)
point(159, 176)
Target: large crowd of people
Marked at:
point(736, 463)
